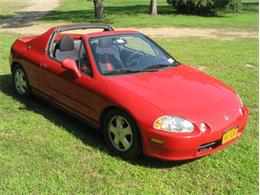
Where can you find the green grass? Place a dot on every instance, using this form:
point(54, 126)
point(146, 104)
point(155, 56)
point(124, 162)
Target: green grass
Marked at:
point(43, 150)
point(8, 7)
point(134, 13)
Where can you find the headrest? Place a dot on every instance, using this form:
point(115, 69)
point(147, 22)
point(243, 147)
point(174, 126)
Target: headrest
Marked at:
point(105, 42)
point(66, 43)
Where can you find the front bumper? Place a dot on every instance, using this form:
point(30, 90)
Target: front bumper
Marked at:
point(183, 146)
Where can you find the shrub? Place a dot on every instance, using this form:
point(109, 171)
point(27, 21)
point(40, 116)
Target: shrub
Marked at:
point(234, 5)
point(203, 7)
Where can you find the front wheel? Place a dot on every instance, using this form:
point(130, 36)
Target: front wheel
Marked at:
point(121, 134)
point(20, 81)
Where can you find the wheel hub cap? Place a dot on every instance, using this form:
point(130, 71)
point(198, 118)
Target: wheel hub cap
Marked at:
point(120, 133)
point(20, 82)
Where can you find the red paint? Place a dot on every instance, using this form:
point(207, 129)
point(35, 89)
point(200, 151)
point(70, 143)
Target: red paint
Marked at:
point(180, 91)
point(71, 66)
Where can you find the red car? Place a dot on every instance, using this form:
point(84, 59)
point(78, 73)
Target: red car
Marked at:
point(127, 85)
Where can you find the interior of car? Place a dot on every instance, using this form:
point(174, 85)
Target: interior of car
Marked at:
point(110, 52)
point(66, 46)
point(125, 51)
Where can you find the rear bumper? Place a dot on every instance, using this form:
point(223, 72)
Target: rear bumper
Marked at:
point(182, 147)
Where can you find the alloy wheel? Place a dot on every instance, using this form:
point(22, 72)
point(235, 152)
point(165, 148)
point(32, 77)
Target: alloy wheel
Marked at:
point(20, 81)
point(120, 133)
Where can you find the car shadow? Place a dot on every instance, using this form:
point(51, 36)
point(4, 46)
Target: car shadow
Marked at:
point(82, 131)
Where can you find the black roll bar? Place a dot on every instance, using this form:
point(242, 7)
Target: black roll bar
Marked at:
point(84, 26)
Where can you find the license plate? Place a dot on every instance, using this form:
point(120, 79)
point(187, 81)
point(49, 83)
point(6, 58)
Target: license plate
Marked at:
point(229, 135)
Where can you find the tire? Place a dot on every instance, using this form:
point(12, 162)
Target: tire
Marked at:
point(20, 81)
point(121, 134)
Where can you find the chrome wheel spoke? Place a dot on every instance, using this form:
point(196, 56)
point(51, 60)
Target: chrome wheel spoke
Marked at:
point(119, 122)
point(127, 131)
point(23, 83)
point(17, 74)
point(113, 129)
point(20, 75)
point(125, 143)
point(116, 140)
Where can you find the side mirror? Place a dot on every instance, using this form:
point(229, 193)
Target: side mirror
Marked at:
point(71, 66)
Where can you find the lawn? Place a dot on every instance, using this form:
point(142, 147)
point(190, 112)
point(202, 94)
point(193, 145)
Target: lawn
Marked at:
point(44, 150)
point(133, 13)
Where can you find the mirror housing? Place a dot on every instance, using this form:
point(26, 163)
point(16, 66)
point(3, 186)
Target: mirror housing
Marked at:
point(71, 66)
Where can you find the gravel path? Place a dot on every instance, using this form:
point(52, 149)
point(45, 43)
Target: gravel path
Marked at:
point(27, 16)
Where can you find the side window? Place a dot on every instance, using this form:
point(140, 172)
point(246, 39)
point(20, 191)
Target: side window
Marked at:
point(83, 62)
point(64, 46)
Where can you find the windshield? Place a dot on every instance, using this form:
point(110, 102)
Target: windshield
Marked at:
point(124, 54)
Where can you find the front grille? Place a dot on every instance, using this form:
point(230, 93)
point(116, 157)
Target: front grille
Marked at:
point(209, 146)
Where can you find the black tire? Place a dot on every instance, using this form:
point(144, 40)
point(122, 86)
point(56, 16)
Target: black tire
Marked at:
point(136, 145)
point(24, 91)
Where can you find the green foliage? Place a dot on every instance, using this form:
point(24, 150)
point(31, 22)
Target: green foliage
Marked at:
point(202, 7)
point(134, 13)
point(234, 5)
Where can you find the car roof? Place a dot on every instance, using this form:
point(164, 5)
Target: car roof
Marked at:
point(107, 33)
point(107, 30)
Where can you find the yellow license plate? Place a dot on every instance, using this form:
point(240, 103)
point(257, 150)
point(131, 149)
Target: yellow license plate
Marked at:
point(229, 135)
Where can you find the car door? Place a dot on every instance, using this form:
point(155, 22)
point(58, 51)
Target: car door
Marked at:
point(64, 89)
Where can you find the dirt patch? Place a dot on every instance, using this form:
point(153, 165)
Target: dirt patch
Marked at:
point(175, 32)
point(163, 32)
point(27, 16)
point(24, 22)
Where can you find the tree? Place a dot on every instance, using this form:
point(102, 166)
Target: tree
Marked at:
point(99, 9)
point(153, 7)
point(204, 7)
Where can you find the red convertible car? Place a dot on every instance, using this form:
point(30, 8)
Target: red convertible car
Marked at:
point(125, 84)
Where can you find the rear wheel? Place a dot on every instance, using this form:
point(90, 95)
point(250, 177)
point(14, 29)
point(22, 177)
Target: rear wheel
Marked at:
point(20, 81)
point(121, 134)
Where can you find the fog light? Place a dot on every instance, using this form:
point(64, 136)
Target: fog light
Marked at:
point(241, 111)
point(157, 141)
point(203, 127)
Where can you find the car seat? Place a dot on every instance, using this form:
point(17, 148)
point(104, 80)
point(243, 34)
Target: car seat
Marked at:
point(66, 49)
point(108, 54)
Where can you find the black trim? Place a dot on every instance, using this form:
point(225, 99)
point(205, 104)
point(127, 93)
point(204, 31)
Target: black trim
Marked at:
point(210, 145)
point(84, 26)
point(84, 45)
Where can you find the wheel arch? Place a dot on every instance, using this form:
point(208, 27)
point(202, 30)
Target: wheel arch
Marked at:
point(107, 109)
point(112, 107)
point(13, 64)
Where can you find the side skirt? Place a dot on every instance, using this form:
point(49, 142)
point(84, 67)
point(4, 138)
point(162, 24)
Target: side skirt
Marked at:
point(65, 109)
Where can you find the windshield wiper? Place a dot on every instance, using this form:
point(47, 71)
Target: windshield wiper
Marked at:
point(125, 71)
point(156, 66)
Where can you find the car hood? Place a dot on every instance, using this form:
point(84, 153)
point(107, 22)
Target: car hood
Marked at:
point(181, 91)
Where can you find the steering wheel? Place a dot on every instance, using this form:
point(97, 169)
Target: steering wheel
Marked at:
point(135, 59)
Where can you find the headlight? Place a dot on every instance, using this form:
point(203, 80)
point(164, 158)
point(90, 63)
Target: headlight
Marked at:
point(173, 124)
point(240, 100)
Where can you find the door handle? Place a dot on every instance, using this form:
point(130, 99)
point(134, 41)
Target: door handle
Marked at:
point(42, 65)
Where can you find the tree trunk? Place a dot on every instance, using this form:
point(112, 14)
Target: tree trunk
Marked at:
point(153, 7)
point(99, 9)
